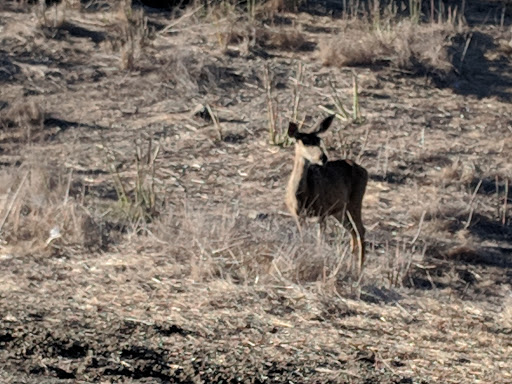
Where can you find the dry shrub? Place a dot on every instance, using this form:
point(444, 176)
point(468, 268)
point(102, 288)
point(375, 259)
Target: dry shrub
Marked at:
point(134, 35)
point(130, 35)
point(282, 5)
point(421, 48)
point(192, 72)
point(224, 244)
point(183, 71)
point(38, 211)
point(23, 120)
point(352, 51)
point(308, 261)
point(457, 173)
point(254, 27)
point(50, 17)
point(288, 40)
point(25, 112)
point(256, 35)
point(424, 45)
point(208, 245)
point(355, 45)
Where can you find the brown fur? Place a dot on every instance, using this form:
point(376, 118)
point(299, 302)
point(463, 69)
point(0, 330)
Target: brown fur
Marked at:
point(320, 188)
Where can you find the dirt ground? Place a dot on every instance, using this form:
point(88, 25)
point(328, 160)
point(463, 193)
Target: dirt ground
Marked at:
point(219, 286)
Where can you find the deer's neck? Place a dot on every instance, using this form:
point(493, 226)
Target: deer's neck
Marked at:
point(297, 184)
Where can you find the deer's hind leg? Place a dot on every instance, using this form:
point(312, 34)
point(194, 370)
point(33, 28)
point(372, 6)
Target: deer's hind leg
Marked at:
point(351, 220)
point(354, 215)
point(357, 232)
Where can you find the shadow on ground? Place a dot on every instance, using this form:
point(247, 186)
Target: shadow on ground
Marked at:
point(484, 71)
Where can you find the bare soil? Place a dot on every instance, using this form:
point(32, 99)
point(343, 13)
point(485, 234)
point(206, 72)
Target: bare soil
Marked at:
point(220, 287)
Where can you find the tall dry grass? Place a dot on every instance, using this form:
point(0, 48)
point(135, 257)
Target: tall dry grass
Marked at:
point(38, 212)
point(418, 48)
point(209, 245)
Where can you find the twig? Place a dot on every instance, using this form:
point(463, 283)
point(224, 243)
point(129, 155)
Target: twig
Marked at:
point(471, 210)
point(497, 184)
point(70, 177)
point(297, 89)
point(363, 147)
point(505, 200)
point(386, 156)
point(355, 108)
point(215, 121)
point(185, 16)
point(337, 102)
point(277, 269)
point(431, 281)
point(14, 197)
point(139, 321)
point(270, 106)
point(336, 270)
point(502, 18)
point(466, 47)
point(331, 112)
point(228, 247)
point(419, 227)
point(393, 371)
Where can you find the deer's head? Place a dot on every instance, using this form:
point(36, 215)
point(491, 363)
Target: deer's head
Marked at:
point(309, 145)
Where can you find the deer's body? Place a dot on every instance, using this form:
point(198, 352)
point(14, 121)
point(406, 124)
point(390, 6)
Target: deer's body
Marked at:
point(320, 188)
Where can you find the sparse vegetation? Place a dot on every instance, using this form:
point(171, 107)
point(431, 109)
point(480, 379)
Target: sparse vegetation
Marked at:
point(173, 259)
point(140, 202)
point(340, 110)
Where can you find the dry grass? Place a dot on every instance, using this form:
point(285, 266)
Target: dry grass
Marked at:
point(281, 39)
point(253, 35)
point(276, 6)
point(50, 18)
point(39, 215)
point(132, 35)
point(227, 245)
point(409, 46)
point(192, 73)
point(260, 315)
point(23, 120)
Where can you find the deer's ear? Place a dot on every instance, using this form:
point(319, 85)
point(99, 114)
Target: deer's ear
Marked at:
point(325, 124)
point(293, 129)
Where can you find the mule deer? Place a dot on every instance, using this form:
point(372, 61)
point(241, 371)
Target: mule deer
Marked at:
point(321, 188)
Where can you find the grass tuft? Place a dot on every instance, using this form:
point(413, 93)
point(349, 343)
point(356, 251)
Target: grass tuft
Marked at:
point(138, 199)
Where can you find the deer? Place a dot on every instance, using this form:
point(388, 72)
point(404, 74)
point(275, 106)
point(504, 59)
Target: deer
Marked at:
point(318, 187)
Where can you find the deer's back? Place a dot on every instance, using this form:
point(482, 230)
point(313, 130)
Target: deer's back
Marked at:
point(328, 188)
